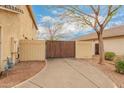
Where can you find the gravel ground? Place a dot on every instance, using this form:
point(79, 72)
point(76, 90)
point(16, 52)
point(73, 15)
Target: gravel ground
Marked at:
point(109, 70)
point(21, 72)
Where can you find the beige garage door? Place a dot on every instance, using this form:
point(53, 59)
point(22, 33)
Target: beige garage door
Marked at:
point(83, 49)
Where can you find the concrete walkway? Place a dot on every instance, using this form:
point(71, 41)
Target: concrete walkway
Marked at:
point(68, 73)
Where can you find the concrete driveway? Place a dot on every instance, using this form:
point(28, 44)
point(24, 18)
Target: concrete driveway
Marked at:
point(68, 73)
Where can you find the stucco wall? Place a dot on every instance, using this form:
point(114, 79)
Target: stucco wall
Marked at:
point(13, 26)
point(32, 50)
point(84, 49)
point(27, 26)
point(115, 44)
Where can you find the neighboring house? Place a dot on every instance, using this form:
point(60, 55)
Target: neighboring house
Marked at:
point(16, 23)
point(113, 40)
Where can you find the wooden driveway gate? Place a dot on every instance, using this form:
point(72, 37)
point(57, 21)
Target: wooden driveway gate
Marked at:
point(60, 49)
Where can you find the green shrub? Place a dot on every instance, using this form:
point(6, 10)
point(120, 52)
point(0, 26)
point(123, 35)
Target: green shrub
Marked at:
point(109, 56)
point(120, 66)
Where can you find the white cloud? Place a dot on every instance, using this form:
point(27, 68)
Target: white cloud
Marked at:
point(47, 19)
point(41, 29)
point(69, 29)
point(54, 11)
point(57, 11)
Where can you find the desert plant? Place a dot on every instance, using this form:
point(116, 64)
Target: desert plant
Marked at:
point(110, 56)
point(120, 66)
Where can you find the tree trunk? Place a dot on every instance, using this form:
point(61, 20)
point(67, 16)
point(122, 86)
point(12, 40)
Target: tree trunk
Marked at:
point(101, 49)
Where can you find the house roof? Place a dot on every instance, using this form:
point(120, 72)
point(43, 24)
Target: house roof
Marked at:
point(29, 7)
point(109, 33)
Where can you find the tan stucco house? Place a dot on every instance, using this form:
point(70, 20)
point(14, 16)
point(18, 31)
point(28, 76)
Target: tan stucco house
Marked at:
point(113, 40)
point(16, 23)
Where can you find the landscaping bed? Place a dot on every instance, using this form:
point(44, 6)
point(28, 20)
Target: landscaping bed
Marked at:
point(21, 72)
point(109, 70)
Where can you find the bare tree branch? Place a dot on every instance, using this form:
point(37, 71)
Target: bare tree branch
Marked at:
point(110, 15)
point(78, 11)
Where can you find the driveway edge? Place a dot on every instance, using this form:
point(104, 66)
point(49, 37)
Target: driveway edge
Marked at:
point(31, 77)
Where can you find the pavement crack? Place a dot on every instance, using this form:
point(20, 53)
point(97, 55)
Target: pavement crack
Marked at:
point(80, 73)
point(36, 84)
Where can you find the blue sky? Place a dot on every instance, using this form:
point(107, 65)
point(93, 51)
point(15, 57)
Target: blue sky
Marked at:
point(41, 11)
